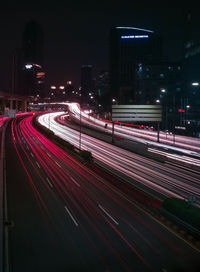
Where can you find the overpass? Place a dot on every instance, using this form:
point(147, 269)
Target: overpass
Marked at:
point(14, 102)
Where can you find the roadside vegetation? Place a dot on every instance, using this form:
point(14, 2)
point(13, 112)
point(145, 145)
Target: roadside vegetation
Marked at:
point(184, 210)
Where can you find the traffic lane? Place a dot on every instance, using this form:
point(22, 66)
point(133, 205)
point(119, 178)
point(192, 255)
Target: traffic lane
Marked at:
point(103, 202)
point(127, 218)
point(40, 243)
point(184, 180)
point(103, 211)
point(112, 261)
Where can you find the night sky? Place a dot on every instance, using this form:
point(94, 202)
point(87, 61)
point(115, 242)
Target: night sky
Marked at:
point(78, 33)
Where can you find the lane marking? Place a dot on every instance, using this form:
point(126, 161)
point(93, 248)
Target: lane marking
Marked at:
point(50, 184)
point(77, 184)
point(108, 214)
point(76, 224)
point(38, 164)
point(58, 164)
point(49, 155)
point(31, 154)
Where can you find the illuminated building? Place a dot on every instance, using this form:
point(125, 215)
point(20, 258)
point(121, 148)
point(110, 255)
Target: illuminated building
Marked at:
point(191, 75)
point(128, 47)
point(161, 82)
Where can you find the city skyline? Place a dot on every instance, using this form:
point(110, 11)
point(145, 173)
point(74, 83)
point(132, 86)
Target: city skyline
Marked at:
point(71, 40)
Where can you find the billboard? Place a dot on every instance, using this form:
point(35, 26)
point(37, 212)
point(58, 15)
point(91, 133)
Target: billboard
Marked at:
point(137, 113)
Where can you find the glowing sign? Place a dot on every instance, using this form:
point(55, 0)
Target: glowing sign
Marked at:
point(134, 36)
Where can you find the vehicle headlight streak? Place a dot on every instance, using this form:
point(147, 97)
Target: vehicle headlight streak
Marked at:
point(145, 171)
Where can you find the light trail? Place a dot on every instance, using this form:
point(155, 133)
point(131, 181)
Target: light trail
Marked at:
point(180, 143)
point(142, 171)
point(92, 202)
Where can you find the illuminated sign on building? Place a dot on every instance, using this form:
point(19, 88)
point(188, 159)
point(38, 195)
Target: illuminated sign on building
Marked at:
point(134, 36)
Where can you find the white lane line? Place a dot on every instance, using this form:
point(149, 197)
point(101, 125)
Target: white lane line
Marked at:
point(27, 147)
point(108, 214)
point(49, 155)
point(77, 184)
point(76, 224)
point(31, 154)
point(50, 184)
point(58, 164)
point(38, 164)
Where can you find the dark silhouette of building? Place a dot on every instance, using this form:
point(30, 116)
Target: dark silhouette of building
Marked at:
point(191, 71)
point(160, 82)
point(32, 75)
point(130, 46)
point(86, 82)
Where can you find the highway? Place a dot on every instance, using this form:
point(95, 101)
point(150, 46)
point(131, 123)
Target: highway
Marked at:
point(128, 131)
point(163, 179)
point(66, 217)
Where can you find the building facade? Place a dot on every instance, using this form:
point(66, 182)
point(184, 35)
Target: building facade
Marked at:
point(32, 75)
point(130, 46)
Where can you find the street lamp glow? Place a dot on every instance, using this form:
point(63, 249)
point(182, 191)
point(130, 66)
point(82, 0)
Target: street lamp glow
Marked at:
point(61, 87)
point(113, 100)
point(53, 87)
point(188, 106)
point(28, 66)
point(64, 92)
point(195, 84)
point(163, 91)
point(157, 100)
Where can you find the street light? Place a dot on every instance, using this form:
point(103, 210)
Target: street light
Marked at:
point(53, 87)
point(195, 83)
point(157, 100)
point(163, 91)
point(28, 66)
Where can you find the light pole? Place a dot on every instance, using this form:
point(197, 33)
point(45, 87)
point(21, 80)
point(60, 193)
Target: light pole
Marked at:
point(80, 130)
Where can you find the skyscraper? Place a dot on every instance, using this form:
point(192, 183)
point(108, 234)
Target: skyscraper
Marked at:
point(130, 46)
point(33, 43)
point(191, 72)
point(86, 82)
point(32, 74)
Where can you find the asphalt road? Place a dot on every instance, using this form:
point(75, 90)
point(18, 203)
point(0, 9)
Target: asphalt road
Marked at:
point(66, 217)
point(158, 178)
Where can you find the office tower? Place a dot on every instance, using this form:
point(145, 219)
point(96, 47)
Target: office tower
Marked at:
point(130, 46)
point(32, 71)
point(86, 82)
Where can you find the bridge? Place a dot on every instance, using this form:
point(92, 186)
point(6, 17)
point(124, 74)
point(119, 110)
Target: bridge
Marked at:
point(14, 102)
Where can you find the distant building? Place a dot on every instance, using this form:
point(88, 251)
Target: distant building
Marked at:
point(32, 75)
point(191, 71)
point(86, 82)
point(102, 90)
point(160, 82)
point(130, 46)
